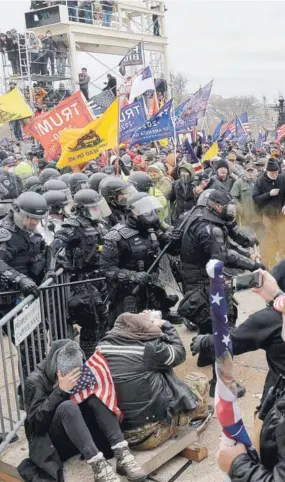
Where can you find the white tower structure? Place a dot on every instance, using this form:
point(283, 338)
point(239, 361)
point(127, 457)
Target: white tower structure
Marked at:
point(132, 21)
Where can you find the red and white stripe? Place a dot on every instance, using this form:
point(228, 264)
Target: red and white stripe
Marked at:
point(281, 132)
point(104, 388)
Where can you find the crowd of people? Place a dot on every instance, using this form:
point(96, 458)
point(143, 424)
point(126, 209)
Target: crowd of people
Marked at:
point(45, 54)
point(111, 221)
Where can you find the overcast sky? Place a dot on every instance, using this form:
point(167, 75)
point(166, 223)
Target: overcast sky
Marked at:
point(239, 43)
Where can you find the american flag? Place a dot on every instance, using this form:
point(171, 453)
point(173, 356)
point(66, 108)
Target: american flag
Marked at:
point(103, 100)
point(244, 120)
point(227, 409)
point(228, 126)
point(96, 379)
point(280, 132)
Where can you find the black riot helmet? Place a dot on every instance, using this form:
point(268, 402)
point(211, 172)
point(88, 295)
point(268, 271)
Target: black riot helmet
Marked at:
point(65, 178)
point(91, 204)
point(33, 183)
point(48, 173)
point(56, 201)
point(222, 205)
point(29, 209)
point(95, 180)
point(203, 198)
point(55, 185)
point(141, 181)
point(116, 191)
point(144, 209)
point(109, 170)
point(78, 181)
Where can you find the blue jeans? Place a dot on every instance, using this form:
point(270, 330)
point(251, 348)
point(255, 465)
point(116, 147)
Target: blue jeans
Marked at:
point(72, 10)
point(88, 14)
point(106, 17)
point(17, 130)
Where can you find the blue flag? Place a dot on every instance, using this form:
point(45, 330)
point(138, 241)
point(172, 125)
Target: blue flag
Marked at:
point(131, 117)
point(216, 132)
point(240, 132)
point(188, 113)
point(159, 126)
point(188, 149)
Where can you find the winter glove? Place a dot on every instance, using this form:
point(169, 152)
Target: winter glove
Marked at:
point(195, 345)
point(50, 274)
point(259, 266)
point(176, 235)
point(253, 240)
point(29, 287)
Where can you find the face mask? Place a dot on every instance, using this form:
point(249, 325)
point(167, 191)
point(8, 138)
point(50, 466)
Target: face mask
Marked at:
point(185, 178)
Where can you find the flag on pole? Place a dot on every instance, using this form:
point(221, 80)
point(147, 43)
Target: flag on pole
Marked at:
point(261, 138)
point(244, 120)
point(133, 57)
point(217, 130)
point(159, 126)
point(83, 145)
point(13, 106)
point(240, 132)
point(188, 149)
point(188, 113)
point(212, 152)
point(226, 403)
point(280, 133)
point(96, 379)
point(103, 100)
point(143, 82)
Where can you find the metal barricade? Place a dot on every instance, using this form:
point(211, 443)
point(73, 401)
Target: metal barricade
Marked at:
point(26, 331)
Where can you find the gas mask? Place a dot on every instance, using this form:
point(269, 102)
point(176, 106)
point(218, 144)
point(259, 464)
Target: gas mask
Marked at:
point(229, 212)
point(185, 178)
point(148, 220)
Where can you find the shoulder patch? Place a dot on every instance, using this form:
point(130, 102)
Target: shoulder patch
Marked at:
point(71, 222)
point(113, 235)
point(5, 235)
point(218, 234)
point(128, 233)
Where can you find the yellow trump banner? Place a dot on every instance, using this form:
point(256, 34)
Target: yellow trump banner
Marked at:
point(82, 145)
point(13, 107)
point(212, 152)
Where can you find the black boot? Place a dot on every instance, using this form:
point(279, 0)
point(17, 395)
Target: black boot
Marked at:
point(241, 391)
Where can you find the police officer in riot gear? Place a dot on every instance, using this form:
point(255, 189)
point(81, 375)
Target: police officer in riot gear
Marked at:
point(116, 192)
point(95, 179)
point(81, 238)
point(65, 178)
point(48, 173)
point(206, 236)
point(57, 202)
point(34, 184)
point(22, 254)
point(78, 181)
point(128, 252)
point(141, 180)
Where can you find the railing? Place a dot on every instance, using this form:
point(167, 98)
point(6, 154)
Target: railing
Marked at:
point(26, 332)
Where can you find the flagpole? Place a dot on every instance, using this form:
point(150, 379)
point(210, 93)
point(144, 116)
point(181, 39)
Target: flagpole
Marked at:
point(118, 137)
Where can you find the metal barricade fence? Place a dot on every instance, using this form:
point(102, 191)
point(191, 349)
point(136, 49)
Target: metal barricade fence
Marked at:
point(26, 331)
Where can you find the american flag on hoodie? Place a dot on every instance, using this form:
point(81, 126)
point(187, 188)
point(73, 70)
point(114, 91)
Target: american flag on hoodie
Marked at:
point(227, 409)
point(96, 379)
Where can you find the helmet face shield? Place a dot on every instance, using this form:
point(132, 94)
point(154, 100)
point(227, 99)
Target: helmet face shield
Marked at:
point(145, 205)
point(98, 210)
point(123, 194)
point(28, 222)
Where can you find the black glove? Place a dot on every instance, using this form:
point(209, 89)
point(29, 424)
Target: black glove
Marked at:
point(259, 266)
point(29, 287)
point(176, 235)
point(51, 274)
point(253, 240)
point(195, 345)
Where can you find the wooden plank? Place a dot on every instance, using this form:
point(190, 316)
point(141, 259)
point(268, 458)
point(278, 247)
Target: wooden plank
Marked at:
point(8, 473)
point(152, 460)
point(195, 452)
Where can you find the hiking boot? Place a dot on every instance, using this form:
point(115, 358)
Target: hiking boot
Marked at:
point(102, 470)
point(241, 391)
point(126, 463)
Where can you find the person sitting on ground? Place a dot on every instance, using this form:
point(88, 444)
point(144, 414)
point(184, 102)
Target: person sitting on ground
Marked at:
point(234, 460)
point(141, 350)
point(57, 428)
